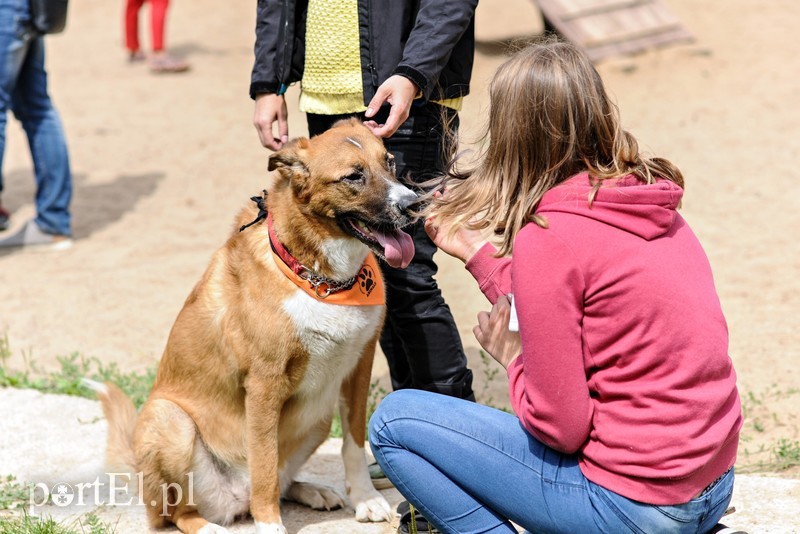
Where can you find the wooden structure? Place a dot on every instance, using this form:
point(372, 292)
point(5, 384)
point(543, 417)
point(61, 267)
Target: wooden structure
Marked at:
point(614, 27)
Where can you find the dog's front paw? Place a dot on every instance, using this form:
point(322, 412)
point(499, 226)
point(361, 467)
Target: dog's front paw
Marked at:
point(316, 496)
point(211, 528)
point(269, 528)
point(371, 507)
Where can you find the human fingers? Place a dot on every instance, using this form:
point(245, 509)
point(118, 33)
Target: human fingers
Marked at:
point(482, 329)
point(283, 128)
point(397, 116)
point(377, 101)
point(432, 229)
point(500, 314)
point(269, 109)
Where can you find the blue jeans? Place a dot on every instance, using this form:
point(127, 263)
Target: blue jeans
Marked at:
point(470, 468)
point(23, 90)
point(420, 338)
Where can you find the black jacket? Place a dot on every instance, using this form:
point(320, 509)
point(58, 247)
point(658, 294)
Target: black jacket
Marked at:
point(431, 42)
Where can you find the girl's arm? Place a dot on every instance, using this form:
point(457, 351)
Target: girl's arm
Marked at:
point(548, 383)
point(493, 274)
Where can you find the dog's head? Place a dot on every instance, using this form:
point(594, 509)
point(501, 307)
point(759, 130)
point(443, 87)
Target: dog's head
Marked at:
point(347, 176)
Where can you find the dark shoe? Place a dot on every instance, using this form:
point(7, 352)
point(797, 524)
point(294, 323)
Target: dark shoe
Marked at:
point(722, 529)
point(379, 480)
point(412, 522)
point(5, 219)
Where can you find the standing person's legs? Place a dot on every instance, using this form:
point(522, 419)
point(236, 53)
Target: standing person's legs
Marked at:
point(132, 8)
point(161, 61)
point(158, 20)
point(34, 109)
point(13, 47)
point(420, 339)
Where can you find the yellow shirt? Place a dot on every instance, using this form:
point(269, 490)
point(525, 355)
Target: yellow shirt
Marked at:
point(332, 83)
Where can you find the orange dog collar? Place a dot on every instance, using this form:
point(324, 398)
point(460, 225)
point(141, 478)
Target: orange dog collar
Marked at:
point(367, 289)
point(364, 289)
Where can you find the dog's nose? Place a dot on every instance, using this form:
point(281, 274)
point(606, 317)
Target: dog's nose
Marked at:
point(402, 197)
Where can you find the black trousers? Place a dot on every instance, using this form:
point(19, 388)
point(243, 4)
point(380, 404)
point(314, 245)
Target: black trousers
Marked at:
point(420, 338)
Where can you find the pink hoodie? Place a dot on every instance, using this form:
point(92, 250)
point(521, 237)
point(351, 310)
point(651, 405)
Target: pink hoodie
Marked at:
point(625, 347)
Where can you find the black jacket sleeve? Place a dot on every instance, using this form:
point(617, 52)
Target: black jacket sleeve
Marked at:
point(438, 28)
point(279, 45)
point(264, 78)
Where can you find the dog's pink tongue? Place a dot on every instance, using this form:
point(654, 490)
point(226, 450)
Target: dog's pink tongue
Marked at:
point(398, 248)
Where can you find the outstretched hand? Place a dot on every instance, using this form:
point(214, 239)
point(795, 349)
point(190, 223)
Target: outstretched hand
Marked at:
point(399, 92)
point(494, 336)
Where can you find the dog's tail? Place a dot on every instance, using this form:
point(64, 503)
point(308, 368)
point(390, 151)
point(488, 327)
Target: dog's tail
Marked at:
point(121, 416)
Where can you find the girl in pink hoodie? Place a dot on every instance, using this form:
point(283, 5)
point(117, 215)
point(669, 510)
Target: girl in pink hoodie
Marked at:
point(627, 415)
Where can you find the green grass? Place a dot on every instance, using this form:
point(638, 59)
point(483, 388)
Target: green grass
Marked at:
point(757, 407)
point(67, 379)
point(760, 417)
point(781, 455)
point(12, 493)
point(25, 524)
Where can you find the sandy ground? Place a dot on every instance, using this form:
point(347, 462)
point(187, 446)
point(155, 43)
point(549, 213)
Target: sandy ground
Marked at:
point(162, 164)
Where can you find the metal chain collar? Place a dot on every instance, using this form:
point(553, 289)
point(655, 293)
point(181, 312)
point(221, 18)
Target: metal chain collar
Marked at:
point(330, 286)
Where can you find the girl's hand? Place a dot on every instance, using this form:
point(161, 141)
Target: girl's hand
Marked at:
point(493, 334)
point(463, 244)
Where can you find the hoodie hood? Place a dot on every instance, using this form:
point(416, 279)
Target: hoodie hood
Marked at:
point(646, 210)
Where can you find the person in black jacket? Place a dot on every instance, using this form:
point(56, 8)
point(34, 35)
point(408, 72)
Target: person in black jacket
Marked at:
point(407, 64)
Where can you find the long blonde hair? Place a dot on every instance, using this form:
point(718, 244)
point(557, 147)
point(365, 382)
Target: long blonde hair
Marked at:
point(550, 119)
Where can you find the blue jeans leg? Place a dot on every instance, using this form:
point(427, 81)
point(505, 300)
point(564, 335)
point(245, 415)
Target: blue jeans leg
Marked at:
point(13, 47)
point(34, 109)
point(23, 89)
point(471, 468)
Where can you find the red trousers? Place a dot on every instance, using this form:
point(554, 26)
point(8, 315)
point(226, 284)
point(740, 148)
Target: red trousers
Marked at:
point(158, 16)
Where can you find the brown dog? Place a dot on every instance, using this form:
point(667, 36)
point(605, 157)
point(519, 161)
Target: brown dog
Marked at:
point(260, 353)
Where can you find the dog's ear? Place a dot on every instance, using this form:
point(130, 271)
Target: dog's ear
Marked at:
point(292, 155)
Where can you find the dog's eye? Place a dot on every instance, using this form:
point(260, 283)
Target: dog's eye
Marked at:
point(357, 176)
point(390, 162)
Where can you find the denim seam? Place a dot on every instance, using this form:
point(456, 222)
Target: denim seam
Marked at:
point(617, 512)
point(674, 517)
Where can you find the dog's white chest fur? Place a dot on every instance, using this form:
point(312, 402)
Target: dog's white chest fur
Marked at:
point(335, 337)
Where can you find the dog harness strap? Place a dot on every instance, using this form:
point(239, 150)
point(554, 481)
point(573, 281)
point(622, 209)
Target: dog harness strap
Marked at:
point(364, 289)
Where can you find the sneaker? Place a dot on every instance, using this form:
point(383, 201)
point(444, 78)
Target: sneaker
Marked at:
point(5, 219)
point(163, 64)
point(412, 522)
point(136, 56)
point(30, 235)
point(379, 480)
